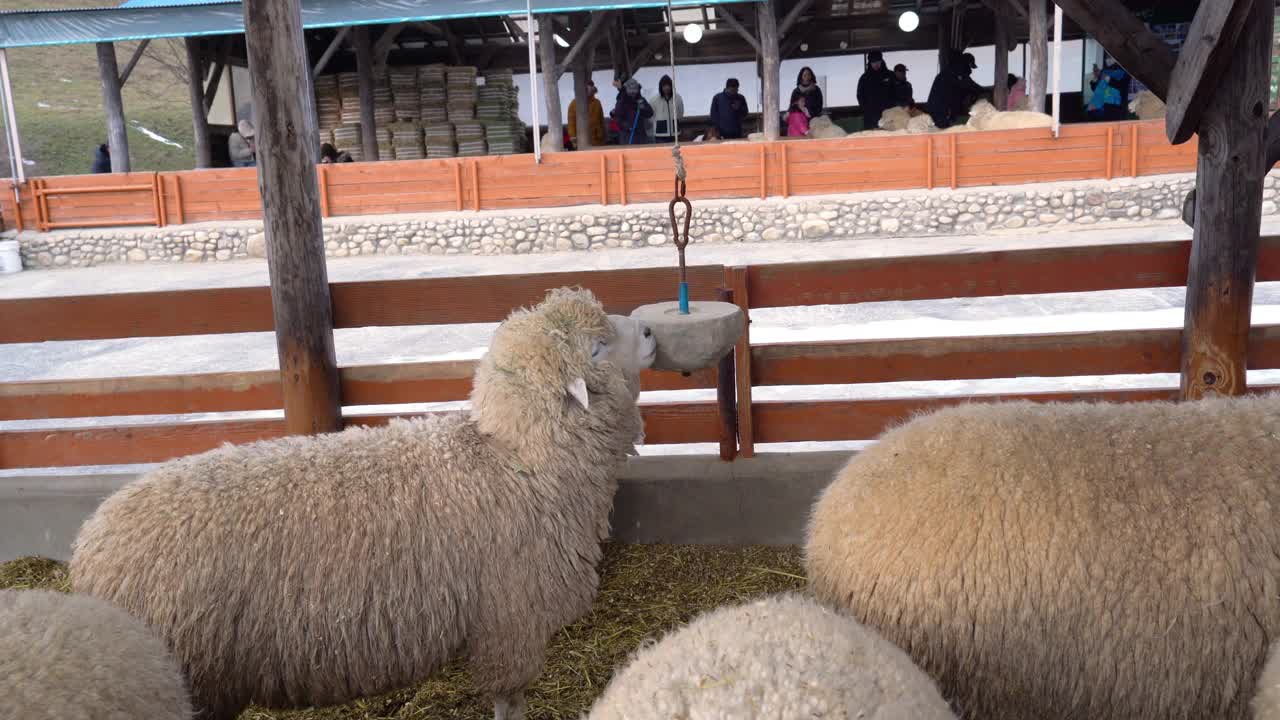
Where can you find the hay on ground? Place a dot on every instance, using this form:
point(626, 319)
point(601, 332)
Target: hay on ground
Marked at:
point(645, 590)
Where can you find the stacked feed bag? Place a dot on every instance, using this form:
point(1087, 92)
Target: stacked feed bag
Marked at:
point(407, 141)
point(349, 95)
point(460, 86)
point(431, 95)
point(471, 138)
point(346, 138)
point(386, 142)
point(384, 107)
point(328, 102)
point(505, 137)
point(440, 141)
point(404, 90)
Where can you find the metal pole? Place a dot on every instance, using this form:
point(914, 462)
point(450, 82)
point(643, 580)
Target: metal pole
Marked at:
point(11, 122)
point(533, 80)
point(1057, 70)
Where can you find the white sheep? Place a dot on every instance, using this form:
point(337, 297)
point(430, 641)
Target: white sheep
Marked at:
point(984, 116)
point(783, 657)
point(1147, 106)
point(922, 123)
point(894, 118)
point(822, 127)
point(1103, 561)
point(315, 570)
point(69, 656)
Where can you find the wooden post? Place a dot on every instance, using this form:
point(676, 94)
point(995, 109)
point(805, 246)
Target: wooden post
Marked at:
point(1038, 54)
point(581, 103)
point(1224, 251)
point(767, 24)
point(286, 131)
point(1001, 87)
point(113, 106)
point(551, 88)
point(727, 394)
point(199, 118)
point(364, 69)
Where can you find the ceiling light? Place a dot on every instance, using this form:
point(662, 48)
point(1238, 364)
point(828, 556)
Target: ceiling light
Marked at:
point(692, 33)
point(908, 21)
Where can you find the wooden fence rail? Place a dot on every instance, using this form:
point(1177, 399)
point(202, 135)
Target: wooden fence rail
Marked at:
point(610, 176)
point(490, 298)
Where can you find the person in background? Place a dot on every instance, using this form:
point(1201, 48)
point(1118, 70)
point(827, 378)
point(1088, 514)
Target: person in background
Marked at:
point(101, 159)
point(1017, 93)
point(797, 115)
point(595, 116)
point(807, 83)
point(329, 154)
point(668, 109)
point(1110, 87)
point(945, 95)
point(240, 146)
point(970, 91)
point(728, 110)
point(875, 90)
point(903, 93)
point(632, 112)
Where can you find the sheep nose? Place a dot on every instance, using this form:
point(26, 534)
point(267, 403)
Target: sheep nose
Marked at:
point(648, 332)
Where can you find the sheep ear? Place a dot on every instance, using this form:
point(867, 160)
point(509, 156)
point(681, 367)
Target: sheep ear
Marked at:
point(578, 391)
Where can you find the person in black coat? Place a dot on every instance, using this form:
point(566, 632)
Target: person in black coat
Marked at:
point(807, 84)
point(101, 160)
point(903, 93)
point(947, 94)
point(875, 90)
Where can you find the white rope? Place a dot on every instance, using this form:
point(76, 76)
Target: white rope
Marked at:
point(675, 121)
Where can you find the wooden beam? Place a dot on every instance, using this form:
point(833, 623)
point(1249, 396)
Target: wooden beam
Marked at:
point(588, 37)
point(1272, 158)
point(113, 106)
point(300, 303)
point(618, 50)
point(767, 23)
point(638, 60)
point(1001, 86)
point(382, 48)
point(1209, 48)
point(199, 118)
point(133, 61)
point(329, 51)
point(1224, 251)
point(364, 71)
point(581, 75)
point(211, 89)
point(1138, 50)
point(733, 22)
point(1038, 54)
point(792, 16)
point(550, 84)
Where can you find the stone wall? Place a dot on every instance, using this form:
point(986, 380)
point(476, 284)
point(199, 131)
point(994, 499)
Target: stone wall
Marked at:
point(800, 219)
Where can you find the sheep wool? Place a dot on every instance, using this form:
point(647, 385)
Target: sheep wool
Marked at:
point(1082, 560)
point(822, 127)
point(69, 656)
point(984, 116)
point(919, 124)
point(895, 118)
point(1147, 106)
point(316, 570)
point(783, 657)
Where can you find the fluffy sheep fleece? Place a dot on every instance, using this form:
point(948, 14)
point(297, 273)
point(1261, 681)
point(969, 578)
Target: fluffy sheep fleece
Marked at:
point(315, 570)
point(984, 116)
point(1266, 702)
point(1072, 560)
point(70, 656)
point(1147, 106)
point(783, 657)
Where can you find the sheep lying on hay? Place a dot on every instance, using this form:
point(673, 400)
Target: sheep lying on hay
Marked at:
point(68, 656)
point(779, 657)
point(315, 570)
point(1099, 561)
point(1147, 106)
point(894, 118)
point(1266, 701)
point(984, 116)
point(822, 127)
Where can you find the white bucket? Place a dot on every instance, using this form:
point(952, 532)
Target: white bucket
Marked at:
point(10, 260)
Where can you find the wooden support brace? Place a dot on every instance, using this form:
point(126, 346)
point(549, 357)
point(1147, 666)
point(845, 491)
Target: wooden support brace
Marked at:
point(1203, 60)
point(1127, 38)
point(133, 61)
point(588, 37)
point(790, 19)
point(382, 48)
point(725, 14)
point(329, 51)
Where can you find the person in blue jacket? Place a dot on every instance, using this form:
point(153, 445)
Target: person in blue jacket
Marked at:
point(728, 110)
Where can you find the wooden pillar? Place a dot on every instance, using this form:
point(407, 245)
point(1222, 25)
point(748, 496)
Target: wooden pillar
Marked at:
point(113, 106)
point(199, 118)
point(286, 131)
point(1038, 54)
point(618, 55)
point(1001, 88)
point(364, 71)
point(1224, 251)
point(547, 50)
point(581, 74)
point(770, 63)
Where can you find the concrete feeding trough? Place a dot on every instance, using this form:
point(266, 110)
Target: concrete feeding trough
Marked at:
point(693, 341)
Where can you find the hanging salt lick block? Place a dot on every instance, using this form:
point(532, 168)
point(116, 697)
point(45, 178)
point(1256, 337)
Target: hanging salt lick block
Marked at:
point(694, 341)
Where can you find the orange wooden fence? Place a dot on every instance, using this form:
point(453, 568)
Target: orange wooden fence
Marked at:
point(490, 298)
point(614, 176)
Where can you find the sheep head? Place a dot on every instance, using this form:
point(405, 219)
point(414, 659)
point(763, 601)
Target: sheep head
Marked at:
point(562, 374)
point(981, 109)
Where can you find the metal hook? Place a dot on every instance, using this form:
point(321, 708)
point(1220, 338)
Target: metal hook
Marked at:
point(681, 239)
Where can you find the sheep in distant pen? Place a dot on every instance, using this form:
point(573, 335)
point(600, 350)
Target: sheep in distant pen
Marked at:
point(69, 656)
point(1102, 561)
point(780, 657)
point(315, 570)
point(984, 116)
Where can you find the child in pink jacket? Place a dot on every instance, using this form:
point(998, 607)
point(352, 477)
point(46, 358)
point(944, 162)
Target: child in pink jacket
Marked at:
point(797, 116)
